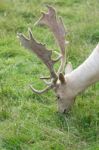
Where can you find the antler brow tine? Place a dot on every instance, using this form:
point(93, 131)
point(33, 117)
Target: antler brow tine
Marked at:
point(42, 91)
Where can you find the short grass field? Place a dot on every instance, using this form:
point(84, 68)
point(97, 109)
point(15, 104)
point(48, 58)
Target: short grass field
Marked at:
point(29, 121)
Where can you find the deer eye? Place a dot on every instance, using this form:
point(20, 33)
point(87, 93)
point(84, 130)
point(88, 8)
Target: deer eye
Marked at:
point(58, 97)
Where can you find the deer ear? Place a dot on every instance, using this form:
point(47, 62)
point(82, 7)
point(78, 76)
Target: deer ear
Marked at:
point(68, 68)
point(62, 78)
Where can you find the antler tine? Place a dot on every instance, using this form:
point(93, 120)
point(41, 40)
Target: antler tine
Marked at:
point(42, 91)
point(57, 27)
point(46, 78)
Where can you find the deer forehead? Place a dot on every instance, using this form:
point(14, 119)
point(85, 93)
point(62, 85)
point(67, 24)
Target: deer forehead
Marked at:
point(61, 89)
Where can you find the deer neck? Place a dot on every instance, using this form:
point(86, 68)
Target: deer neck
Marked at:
point(86, 74)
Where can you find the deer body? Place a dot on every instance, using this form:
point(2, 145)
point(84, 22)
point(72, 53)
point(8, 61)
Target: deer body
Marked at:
point(67, 86)
point(86, 74)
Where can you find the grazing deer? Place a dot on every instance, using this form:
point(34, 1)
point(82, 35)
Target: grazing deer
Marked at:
point(67, 86)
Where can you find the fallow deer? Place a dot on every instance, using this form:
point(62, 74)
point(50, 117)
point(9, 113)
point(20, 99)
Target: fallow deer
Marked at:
point(66, 86)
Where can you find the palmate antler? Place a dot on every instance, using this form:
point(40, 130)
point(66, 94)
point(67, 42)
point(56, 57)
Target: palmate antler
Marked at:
point(44, 54)
point(56, 26)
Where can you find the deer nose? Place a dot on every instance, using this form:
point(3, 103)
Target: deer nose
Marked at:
point(65, 111)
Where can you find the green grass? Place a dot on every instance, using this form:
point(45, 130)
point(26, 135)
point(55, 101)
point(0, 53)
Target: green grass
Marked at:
point(29, 121)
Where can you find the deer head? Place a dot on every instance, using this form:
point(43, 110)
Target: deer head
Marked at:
point(65, 85)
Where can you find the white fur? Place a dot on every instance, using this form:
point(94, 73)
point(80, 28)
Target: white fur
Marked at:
point(86, 74)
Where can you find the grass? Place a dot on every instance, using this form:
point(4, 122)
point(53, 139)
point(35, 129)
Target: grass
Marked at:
point(29, 121)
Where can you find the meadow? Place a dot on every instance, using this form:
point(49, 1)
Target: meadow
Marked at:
point(29, 121)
